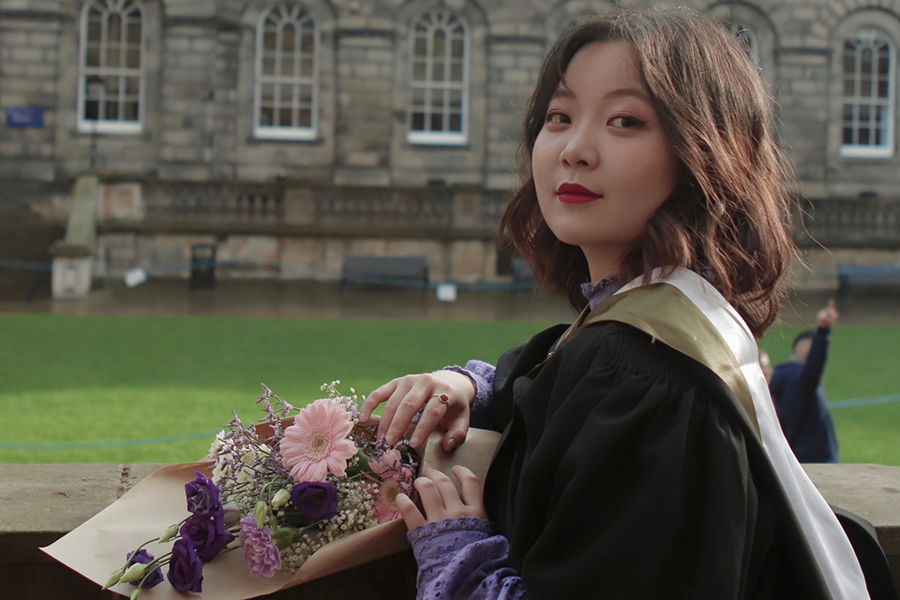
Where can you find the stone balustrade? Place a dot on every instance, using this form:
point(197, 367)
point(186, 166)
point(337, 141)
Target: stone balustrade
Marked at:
point(41, 503)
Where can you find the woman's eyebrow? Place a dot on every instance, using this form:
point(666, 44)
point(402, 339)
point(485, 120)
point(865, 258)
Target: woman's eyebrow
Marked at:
point(562, 91)
point(628, 92)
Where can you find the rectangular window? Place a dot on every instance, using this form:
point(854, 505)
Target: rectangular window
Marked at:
point(438, 99)
point(111, 79)
point(286, 92)
point(867, 127)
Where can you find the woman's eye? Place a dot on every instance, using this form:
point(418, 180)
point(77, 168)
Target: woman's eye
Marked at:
point(557, 118)
point(626, 122)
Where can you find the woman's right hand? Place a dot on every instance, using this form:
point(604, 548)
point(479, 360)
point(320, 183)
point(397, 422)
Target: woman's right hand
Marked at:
point(405, 396)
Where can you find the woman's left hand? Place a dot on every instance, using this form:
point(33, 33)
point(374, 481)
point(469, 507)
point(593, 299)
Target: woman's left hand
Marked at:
point(441, 500)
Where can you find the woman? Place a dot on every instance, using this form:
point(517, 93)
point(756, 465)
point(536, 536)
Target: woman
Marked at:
point(641, 456)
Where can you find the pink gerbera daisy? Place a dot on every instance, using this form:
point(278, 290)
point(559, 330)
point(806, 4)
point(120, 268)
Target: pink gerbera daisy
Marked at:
point(386, 501)
point(317, 442)
point(388, 466)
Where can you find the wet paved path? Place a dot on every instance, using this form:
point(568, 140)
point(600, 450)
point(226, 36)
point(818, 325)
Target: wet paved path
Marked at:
point(325, 300)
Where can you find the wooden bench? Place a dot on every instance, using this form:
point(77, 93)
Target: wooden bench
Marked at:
point(404, 271)
point(867, 276)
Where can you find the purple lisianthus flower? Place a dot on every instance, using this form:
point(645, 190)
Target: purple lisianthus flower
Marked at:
point(208, 536)
point(260, 553)
point(203, 497)
point(145, 558)
point(317, 500)
point(185, 568)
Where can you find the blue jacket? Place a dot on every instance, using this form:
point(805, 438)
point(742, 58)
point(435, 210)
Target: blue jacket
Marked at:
point(800, 403)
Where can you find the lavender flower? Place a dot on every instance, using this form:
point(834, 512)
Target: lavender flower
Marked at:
point(317, 500)
point(154, 576)
point(185, 568)
point(260, 553)
point(203, 497)
point(208, 536)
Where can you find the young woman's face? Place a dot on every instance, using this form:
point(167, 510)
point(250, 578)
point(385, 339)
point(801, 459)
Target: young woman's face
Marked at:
point(602, 165)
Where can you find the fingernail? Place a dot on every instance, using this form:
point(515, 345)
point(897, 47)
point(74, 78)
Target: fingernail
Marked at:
point(451, 445)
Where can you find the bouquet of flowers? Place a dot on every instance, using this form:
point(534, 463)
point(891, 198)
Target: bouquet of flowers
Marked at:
point(280, 490)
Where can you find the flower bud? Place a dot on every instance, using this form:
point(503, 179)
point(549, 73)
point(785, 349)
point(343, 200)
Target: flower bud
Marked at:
point(134, 572)
point(170, 532)
point(232, 514)
point(281, 498)
point(135, 593)
point(283, 538)
point(260, 512)
point(115, 578)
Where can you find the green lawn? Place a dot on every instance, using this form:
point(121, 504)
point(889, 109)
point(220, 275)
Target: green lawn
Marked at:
point(91, 379)
point(97, 388)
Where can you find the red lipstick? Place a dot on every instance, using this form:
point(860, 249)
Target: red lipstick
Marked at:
point(572, 193)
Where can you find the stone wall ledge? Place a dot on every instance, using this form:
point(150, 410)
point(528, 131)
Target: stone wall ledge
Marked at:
point(41, 503)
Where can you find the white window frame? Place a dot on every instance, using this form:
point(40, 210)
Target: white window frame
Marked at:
point(295, 14)
point(101, 125)
point(853, 150)
point(439, 19)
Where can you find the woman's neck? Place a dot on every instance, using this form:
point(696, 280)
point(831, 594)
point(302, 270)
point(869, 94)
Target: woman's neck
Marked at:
point(603, 262)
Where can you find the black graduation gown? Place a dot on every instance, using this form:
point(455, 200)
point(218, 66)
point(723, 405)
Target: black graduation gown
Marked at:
point(628, 470)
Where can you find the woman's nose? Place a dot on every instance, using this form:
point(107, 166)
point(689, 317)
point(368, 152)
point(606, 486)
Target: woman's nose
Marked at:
point(581, 150)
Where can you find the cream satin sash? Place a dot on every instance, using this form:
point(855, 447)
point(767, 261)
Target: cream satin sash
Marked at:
point(686, 312)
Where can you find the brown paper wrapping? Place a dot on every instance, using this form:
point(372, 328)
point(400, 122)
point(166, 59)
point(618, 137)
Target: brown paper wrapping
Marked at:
point(99, 546)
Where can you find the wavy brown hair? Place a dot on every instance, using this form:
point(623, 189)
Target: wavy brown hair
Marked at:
point(729, 216)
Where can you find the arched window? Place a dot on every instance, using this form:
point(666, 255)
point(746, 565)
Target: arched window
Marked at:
point(439, 83)
point(286, 94)
point(111, 77)
point(753, 31)
point(867, 115)
point(746, 37)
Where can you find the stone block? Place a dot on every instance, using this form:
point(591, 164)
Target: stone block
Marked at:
point(467, 261)
point(27, 55)
point(466, 210)
point(299, 206)
point(301, 258)
point(41, 71)
point(38, 504)
point(363, 177)
point(122, 201)
point(177, 45)
point(871, 491)
point(71, 277)
point(184, 172)
point(363, 159)
point(8, 69)
point(380, 56)
point(11, 37)
point(43, 39)
point(250, 255)
point(203, 45)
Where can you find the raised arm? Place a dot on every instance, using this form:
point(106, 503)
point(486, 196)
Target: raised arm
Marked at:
point(814, 366)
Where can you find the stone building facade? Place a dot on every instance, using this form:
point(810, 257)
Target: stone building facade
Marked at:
point(292, 133)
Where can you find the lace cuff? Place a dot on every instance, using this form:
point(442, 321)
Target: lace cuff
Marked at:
point(448, 535)
point(482, 376)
